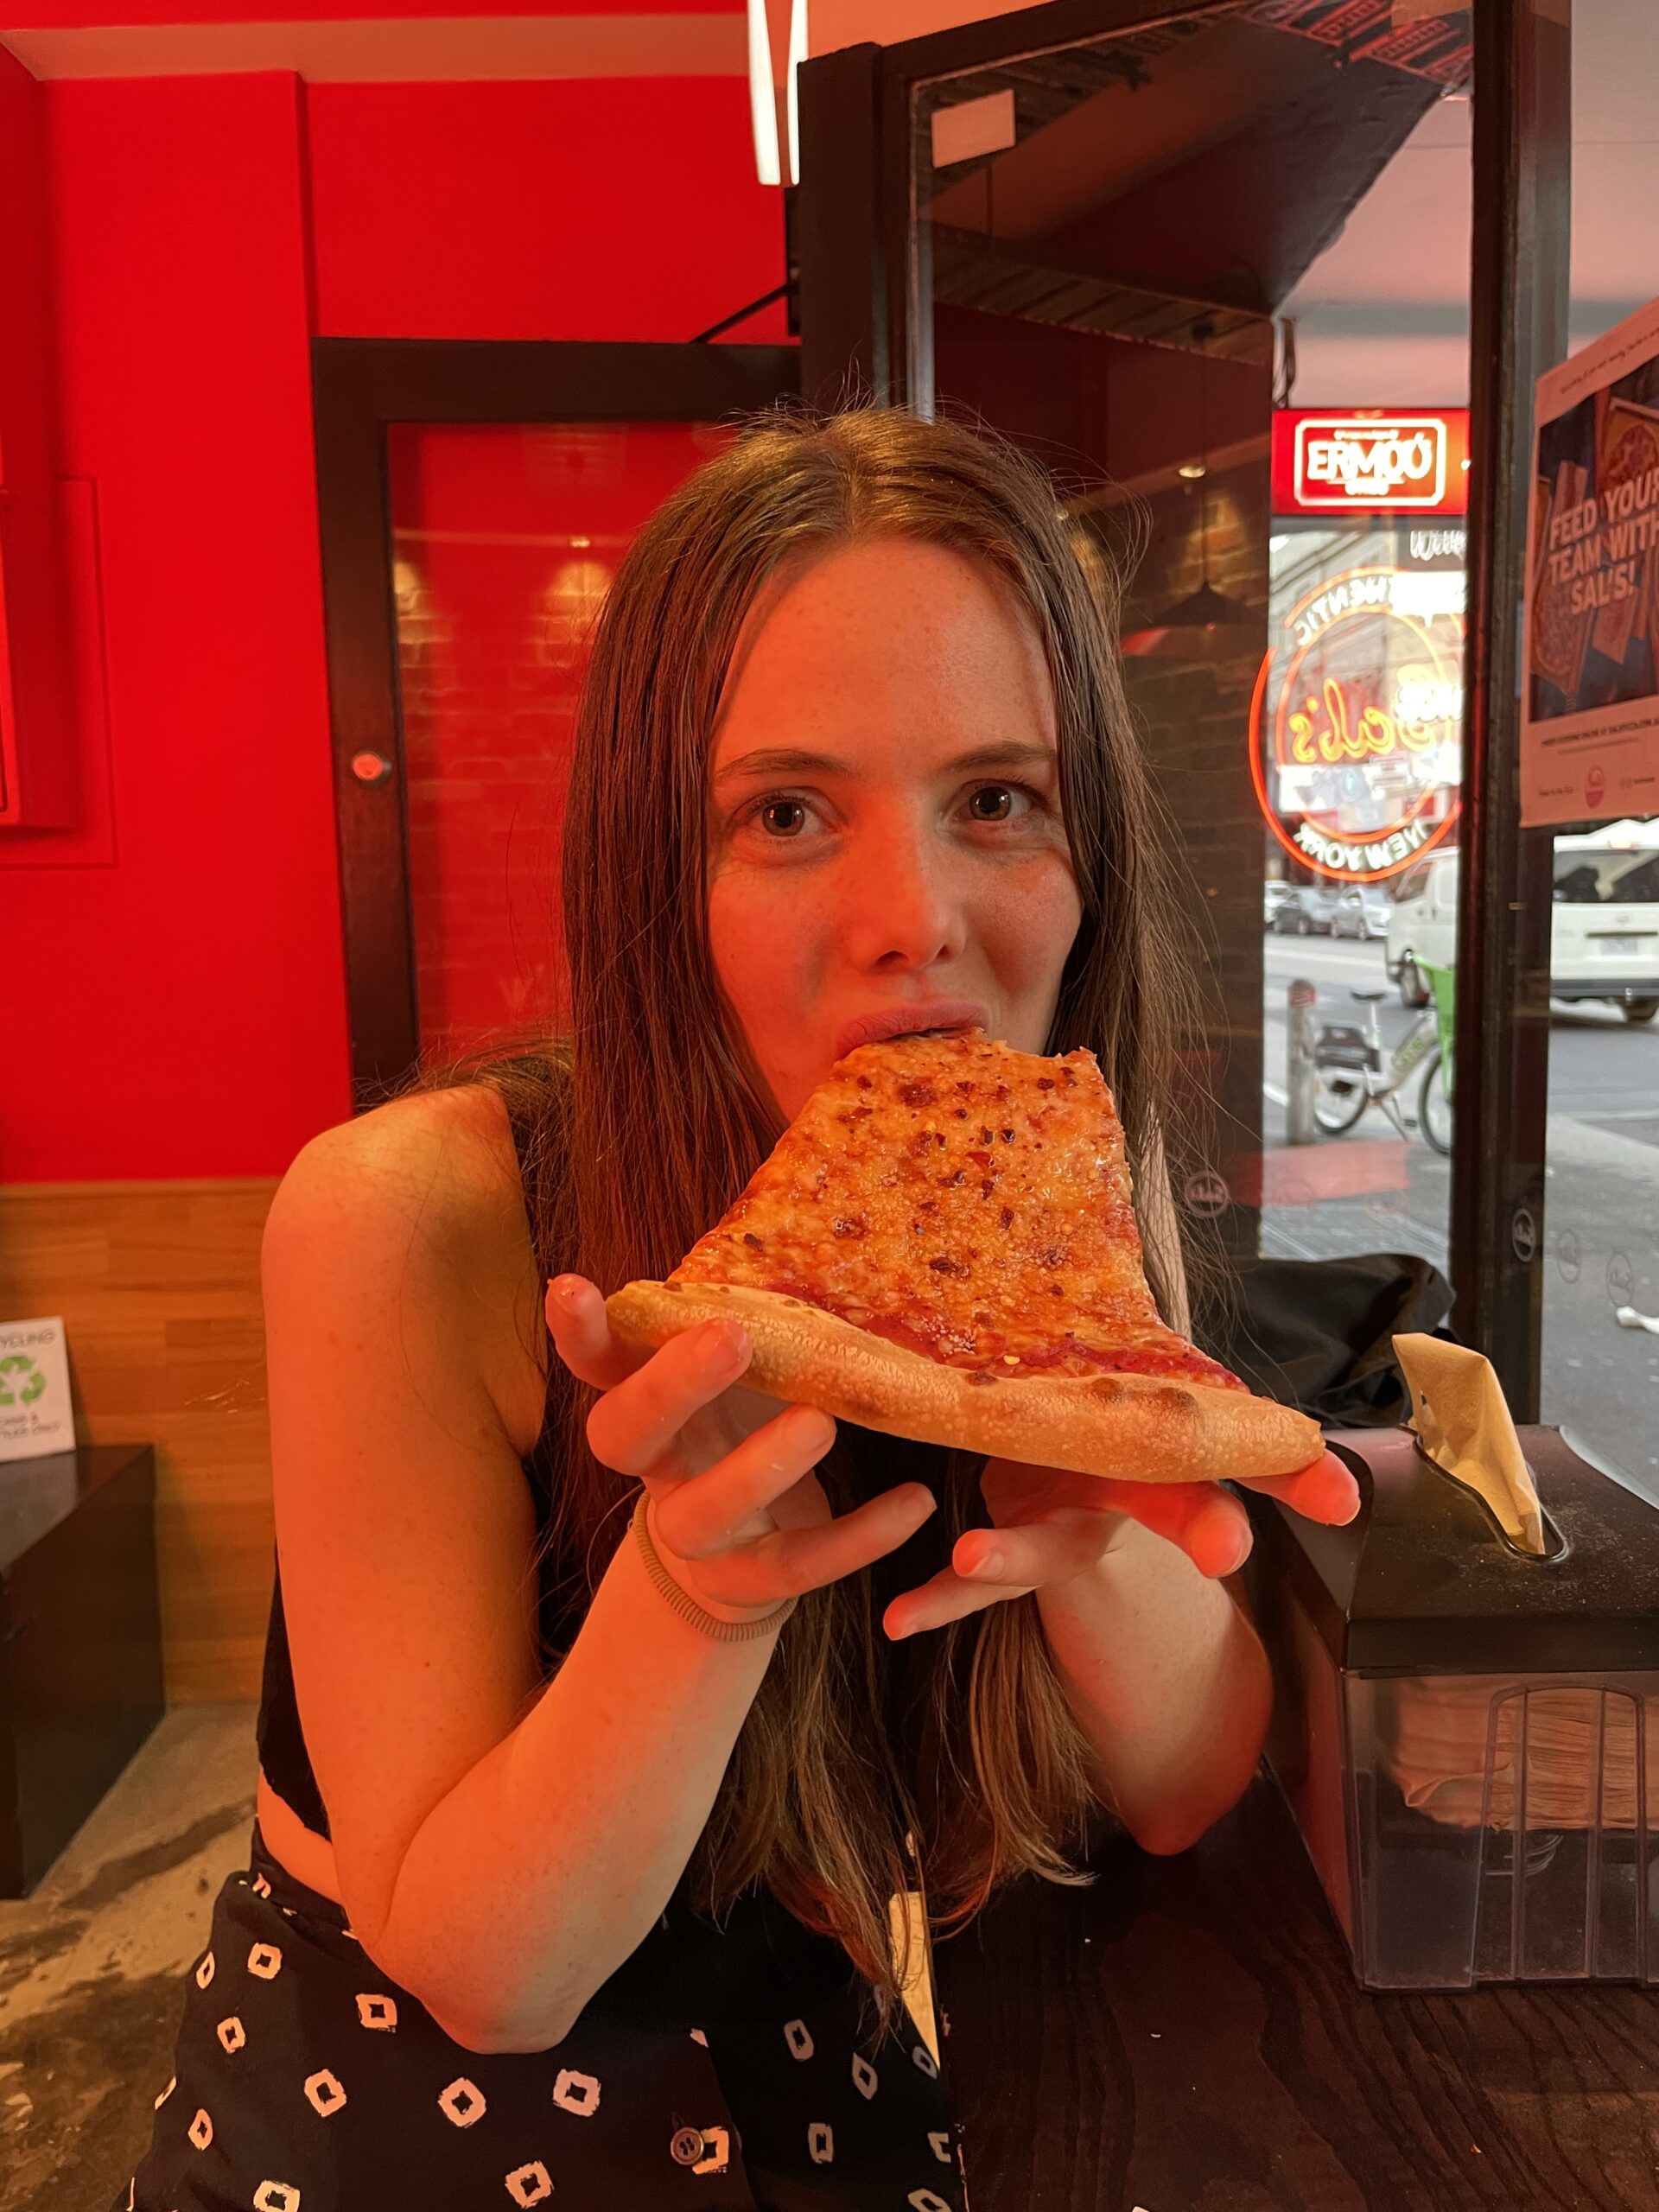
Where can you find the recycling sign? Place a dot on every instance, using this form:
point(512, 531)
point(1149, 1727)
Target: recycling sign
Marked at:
point(36, 1414)
point(29, 1382)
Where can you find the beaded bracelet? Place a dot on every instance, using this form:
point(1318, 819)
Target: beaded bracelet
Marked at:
point(687, 1607)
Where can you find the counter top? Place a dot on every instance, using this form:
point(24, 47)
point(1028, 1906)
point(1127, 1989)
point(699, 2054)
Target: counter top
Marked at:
point(37, 1495)
point(1187, 2036)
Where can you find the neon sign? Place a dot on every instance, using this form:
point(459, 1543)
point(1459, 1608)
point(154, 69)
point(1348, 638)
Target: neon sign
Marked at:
point(1355, 725)
point(1369, 462)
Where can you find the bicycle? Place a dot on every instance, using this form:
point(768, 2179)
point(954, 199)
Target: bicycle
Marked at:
point(1351, 1072)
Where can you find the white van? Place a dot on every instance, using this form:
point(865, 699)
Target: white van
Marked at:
point(1604, 931)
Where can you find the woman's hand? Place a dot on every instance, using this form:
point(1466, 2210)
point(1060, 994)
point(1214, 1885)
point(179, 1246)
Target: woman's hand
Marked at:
point(736, 1514)
point(1051, 1525)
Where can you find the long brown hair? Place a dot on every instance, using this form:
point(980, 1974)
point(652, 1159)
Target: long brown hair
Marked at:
point(648, 1118)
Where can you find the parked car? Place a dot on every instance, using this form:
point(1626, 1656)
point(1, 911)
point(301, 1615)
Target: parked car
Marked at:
point(1274, 891)
point(1363, 911)
point(1604, 927)
point(1306, 910)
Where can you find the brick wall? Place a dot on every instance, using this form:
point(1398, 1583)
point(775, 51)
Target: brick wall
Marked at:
point(506, 539)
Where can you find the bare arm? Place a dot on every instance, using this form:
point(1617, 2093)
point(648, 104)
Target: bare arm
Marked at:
point(535, 1877)
point(501, 1848)
point(1161, 1668)
point(1168, 1681)
point(1160, 1663)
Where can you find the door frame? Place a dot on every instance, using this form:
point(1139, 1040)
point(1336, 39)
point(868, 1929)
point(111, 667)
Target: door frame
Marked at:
point(852, 242)
point(359, 387)
point(853, 239)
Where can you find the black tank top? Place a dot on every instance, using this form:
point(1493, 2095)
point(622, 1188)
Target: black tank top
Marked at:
point(761, 1947)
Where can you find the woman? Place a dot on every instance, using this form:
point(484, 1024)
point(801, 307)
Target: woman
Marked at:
point(579, 1883)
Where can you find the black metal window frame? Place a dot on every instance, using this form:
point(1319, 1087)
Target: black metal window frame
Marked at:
point(361, 387)
point(852, 224)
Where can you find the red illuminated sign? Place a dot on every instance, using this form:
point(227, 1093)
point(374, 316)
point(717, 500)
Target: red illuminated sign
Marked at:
point(1368, 461)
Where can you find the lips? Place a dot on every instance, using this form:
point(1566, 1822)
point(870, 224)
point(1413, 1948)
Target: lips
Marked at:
point(902, 1020)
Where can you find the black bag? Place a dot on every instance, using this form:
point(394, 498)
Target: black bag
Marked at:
point(1316, 1334)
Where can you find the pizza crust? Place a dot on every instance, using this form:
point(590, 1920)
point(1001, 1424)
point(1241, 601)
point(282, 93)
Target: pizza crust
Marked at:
point(1134, 1428)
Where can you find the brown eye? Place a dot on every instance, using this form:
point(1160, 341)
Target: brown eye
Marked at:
point(1007, 802)
point(783, 817)
point(992, 803)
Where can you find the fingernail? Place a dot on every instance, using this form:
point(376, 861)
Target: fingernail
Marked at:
point(722, 1342)
point(568, 1290)
point(991, 1562)
point(1240, 1552)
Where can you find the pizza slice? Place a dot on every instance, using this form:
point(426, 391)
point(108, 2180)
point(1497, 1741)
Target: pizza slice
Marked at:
point(942, 1246)
point(1560, 638)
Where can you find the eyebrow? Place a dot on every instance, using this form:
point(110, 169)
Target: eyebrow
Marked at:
point(788, 760)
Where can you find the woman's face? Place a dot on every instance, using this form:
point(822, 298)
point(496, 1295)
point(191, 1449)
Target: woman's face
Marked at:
point(886, 846)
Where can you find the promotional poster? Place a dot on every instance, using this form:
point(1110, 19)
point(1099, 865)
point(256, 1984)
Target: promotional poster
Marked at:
point(1590, 712)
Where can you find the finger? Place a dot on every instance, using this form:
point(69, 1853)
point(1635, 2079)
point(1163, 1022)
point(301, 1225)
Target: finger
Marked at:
point(988, 1564)
point(1205, 1522)
point(1325, 1491)
point(705, 1513)
point(1050, 1548)
point(635, 1427)
point(945, 1597)
point(583, 1337)
point(792, 1560)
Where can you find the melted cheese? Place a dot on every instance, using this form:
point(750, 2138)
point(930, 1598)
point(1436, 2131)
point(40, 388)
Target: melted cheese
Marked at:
point(963, 1198)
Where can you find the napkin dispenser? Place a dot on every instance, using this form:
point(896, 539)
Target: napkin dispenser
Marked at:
point(1468, 1735)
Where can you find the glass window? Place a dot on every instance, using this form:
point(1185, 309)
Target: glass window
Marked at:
point(1600, 1379)
point(1215, 272)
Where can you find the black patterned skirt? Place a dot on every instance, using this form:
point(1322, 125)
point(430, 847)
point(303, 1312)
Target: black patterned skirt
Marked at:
point(304, 2080)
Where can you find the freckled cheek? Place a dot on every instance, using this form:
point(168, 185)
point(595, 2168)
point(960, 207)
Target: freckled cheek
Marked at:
point(763, 943)
point(1025, 926)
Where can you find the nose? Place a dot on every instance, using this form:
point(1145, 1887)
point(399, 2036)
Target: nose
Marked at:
point(901, 910)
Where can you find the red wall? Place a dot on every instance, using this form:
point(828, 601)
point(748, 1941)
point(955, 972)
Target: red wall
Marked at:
point(201, 228)
point(80, 14)
point(573, 210)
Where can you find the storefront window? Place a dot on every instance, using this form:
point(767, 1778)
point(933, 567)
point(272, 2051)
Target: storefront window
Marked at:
point(1215, 273)
point(1357, 741)
point(1600, 1369)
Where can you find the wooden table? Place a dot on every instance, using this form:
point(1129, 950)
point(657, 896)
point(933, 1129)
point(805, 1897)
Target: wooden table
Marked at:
point(1187, 2036)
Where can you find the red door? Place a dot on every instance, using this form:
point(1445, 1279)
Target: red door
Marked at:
point(476, 499)
point(504, 541)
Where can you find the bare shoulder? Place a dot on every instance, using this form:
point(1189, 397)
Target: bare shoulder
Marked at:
point(421, 1199)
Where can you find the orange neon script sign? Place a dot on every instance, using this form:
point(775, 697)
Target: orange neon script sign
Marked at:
point(1338, 725)
point(1355, 727)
